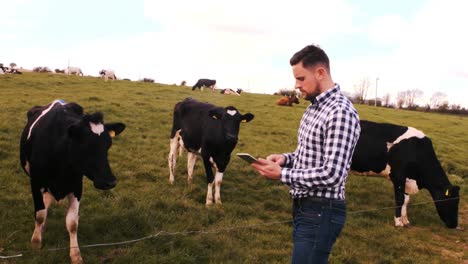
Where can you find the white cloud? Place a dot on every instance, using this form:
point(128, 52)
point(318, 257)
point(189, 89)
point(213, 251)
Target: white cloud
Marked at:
point(428, 53)
point(236, 42)
point(388, 29)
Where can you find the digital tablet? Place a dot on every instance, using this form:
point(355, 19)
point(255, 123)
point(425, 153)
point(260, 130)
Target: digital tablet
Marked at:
point(247, 157)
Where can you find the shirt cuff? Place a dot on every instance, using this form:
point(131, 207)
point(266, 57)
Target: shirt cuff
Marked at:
point(285, 176)
point(287, 160)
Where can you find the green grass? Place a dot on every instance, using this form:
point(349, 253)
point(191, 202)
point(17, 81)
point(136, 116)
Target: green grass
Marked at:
point(144, 203)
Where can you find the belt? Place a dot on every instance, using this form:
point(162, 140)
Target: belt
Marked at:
point(320, 200)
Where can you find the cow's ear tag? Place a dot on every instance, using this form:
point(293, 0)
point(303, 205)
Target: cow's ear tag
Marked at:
point(214, 117)
point(447, 192)
point(244, 121)
point(111, 133)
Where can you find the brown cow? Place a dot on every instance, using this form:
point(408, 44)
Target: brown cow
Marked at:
point(288, 100)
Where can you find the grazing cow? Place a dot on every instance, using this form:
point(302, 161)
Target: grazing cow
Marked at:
point(107, 74)
point(209, 131)
point(231, 91)
point(288, 100)
point(406, 156)
point(73, 71)
point(4, 70)
point(59, 145)
point(59, 71)
point(205, 83)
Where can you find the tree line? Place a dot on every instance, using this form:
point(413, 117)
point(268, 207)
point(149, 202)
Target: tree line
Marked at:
point(406, 100)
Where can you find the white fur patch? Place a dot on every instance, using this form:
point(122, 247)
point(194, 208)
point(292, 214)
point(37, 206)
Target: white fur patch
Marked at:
point(96, 128)
point(218, 181)
point(43, 113)
point(412, 132)
point(231, 112)
point(27, 167)
point(411, 186)
point(398, 222)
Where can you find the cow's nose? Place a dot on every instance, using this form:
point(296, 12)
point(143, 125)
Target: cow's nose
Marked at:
point(105, 185)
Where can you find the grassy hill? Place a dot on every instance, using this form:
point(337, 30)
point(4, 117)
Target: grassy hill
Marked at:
point(251, 226)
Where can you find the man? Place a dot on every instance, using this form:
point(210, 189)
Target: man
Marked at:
point(316, 172)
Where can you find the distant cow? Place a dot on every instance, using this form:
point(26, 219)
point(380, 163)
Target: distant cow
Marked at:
point(208, 131)
point(73, 71)
point(59, 145)
point(59, 71)
point(288, 100)
point(231, 91)
point(107, 74)
point(204, 83)
point(406, 156)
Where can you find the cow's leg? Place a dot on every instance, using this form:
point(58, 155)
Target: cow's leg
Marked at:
point(220, 165)
point(181, 146)
point(411, 187)
point(39, 217)
point(399, 189)
point(72, 227)
point(218, 182)
point(404, 213)
point(48, 200)
point(172, 159)
point(191, 159)
point(209, 179)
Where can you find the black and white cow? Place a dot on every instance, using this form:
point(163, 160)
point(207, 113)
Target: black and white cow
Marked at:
point(107, 74)
point(59, 145)
point(205, 83)
point(231, 91)
point(209, 131)
point(407, 157)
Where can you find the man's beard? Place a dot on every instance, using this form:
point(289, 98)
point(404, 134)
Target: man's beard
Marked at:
point(310, 97)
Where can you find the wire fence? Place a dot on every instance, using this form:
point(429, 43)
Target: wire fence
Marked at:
point(212, 231)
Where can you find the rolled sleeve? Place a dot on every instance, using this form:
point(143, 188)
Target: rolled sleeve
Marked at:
point(289, 157)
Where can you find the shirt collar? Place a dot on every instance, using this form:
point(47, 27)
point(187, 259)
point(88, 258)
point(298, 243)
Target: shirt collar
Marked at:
point(325, 95)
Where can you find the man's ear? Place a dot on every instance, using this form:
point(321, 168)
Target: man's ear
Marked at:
point(115, 129)
point(247, 117)
point(216, 113)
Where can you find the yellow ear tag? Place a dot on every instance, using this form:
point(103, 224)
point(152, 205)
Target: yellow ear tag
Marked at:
point(112, 133)
point(447, 193)
point(214, 117)
point(244, 121)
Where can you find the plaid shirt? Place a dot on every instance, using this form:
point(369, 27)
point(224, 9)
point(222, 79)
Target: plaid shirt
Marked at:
point(328, 133)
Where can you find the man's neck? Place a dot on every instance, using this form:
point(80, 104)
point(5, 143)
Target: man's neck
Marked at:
point(326, 85)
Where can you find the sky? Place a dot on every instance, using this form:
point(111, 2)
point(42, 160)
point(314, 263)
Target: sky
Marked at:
point(417, 44)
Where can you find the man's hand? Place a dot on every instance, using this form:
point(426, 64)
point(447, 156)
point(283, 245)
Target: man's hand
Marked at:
point(268, 168)
point(277, 158)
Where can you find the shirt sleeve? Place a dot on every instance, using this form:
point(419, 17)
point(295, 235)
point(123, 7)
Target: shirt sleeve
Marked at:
point(289, 157)
point(342, 133)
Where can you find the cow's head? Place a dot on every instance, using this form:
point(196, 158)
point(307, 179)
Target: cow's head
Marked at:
point(230, 119)
point(102, 72)
point(90, 142)
point(447, 206)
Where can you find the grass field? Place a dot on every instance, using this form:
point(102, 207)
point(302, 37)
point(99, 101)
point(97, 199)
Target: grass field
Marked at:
point(251, 226)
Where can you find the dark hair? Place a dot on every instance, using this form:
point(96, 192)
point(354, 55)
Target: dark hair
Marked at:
point(311, 55)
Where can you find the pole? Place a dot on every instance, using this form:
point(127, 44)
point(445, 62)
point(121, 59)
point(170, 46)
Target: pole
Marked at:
point(376, 84)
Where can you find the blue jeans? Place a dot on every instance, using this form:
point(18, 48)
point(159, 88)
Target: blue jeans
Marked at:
point(317, 222)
